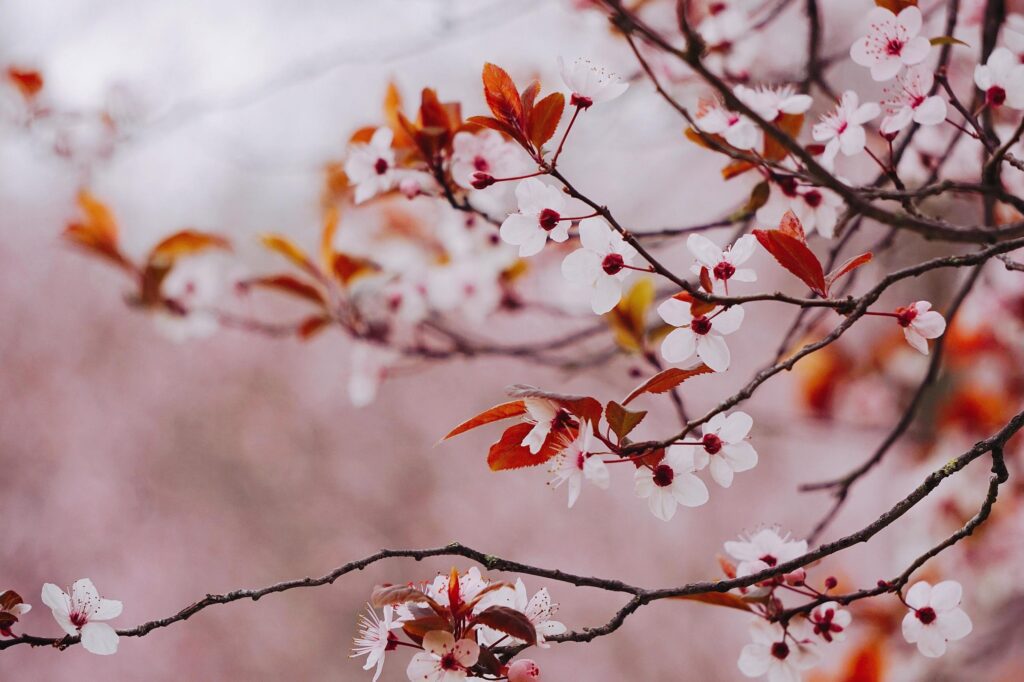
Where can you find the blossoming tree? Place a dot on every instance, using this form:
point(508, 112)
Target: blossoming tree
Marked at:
point(911, 133)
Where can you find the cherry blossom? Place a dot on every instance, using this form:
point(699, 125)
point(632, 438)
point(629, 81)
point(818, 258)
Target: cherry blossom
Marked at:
point(371, 166)
point(1001, 78)
point(1013, 33)
point(545, 416)
point(764, 549)
point(541, 209)
point(722, 265)
point(669, 483)
point(523, 670)
point(703, 334)
point(843, 129)
point(892, 42)
point(724, 446)
point(920, 323)
point(577, 463)
point(82, 613)
point(731, 45)
point(771, 103)
point(909, 102)
point(193, 288)
point(816, 207)
point(775, 654)
point(471, 583)
point(370, 365)
point(935, 617)
point(486, 152)
point(375, 638)
point(444, 659)
point(590, 84)
point(830, 622)
point(538, 609)
point(737, 130)
point(601, 263)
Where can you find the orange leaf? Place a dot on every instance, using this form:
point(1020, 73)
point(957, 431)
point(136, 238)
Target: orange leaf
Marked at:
point(896, 6)
point(510, 453)
point(312, 326)
point(494, 124)
point(327, 237)
point(792, 226)
point(622, 421)
point(291, 251)
point(697, 306)
point(347, 268)
point(289, 285)
point(496, 413)
point(726, 599)
point(184, 243)
point(847, 267)
point(735, 168)
point(544, 118)
point(98, 231)
point(392, 110)
point(502, 97)
point(666, 381)
point(528, 97)
point(27, 81)
point(789, 124)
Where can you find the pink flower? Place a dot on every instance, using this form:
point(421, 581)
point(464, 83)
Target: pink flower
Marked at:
point(1002, 79)
point(485, 152)
point(545, 415)
point(722, 265)
point(738, 130)
point(703, 335)
point(843, 129)
point(443, 658)
point(590, 84)
point(80, 613)
point(669, 483)
point(771, 102)
point(830, 622)
point(816, 207)
point(891, 42)
point(909, 101)
point(374, 638)
point(578, 463)
point(600, 264)
point(523, 670)
point(935, 617)
point(774, 654)
point(920, 323)
point(764, 549)
point(541, 209)
point(371, 167)
point(724, 447)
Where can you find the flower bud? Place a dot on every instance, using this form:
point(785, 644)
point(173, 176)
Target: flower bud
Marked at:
point(482, 180)
point(796, 578)
point(523, 670)
point(830, 582)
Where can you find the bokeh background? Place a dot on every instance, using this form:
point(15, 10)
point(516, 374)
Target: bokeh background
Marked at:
point(165, 471)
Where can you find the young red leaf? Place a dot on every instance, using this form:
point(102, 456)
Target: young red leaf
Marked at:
point(393, 595)
point(496, 413)
point(508, 620)
point(727, 599)
point(697, 306)
point(27, 81)
point(622, 421)
point(666, 380)
point(544, 118)
point(583, 407)
point(528, 97)
point(846, 268)
point(184, 243)
point(288, 285)
point(792, 226)
point(794, 255)
point(502, 97)
point(510, 453)
point(312, 326)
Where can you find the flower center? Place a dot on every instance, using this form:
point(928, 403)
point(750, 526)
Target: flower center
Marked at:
point(712, 443)
point(563, 420)
point(700, 325)
point(381, 167)
point(548, 219)
point(894, 47)
point(448, 662)
point(580, 459)
point(788, 186)
point(926, 615)
point(813, 198)
point(780, 650)
point(480, 163)
point(612, 264)
point(769, 559)
point(995, 96)
point(663, 475)
point(724, 270)
point(904, 316)
point(580, 101)
point(78, 619)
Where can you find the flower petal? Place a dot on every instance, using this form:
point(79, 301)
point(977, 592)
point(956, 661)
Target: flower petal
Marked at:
point(679, 346)
point(712, 349)
point(99, 638)
point(945, 596)
point(728, 321)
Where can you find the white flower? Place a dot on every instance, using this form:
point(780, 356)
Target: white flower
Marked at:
point(721, 28)
point(545, 415)
point(935, 617)
point(371, 167)
point(538, 609)
point(843, 129)
point(81, 613)
point(704, 334)
point(722, 265)
point(771, 102)
point(370, 365)
point(909, 101)
point(738, 130)
point(1002, 79)
point(590, 84)
point(920, 323)
point(600, 264)
point(374, 637)
point(669, 483)
point(891, 42)
point(830, 622)
point(523, 670)
point(540, 216)
point(773, 654)
point(816, 207)
point(1013, 33)
point(577, 463)
point(471, 583)
point(763, 550)
point(724, 446)
point(444, 659)
point(194, 286)
point(485, 152)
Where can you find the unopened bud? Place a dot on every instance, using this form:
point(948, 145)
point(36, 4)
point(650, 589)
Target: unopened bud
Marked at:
point(796, 578)
point(830, 582)
point(482, 180)
point(523, 670)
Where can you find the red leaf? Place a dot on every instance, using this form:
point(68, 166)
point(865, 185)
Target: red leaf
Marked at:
point(697, 306)
point(794, 255)
point(622, 421)
point(727, 599)
point(502, 97)
point(27, 81)
point(846, 268)
point(510, 453)
point(583, 407)
point(504, 619)
point(544, 118)
point(496, 413)
point(312, 326)
point(666, 380)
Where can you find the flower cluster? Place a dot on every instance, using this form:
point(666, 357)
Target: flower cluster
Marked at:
point(80, 613)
